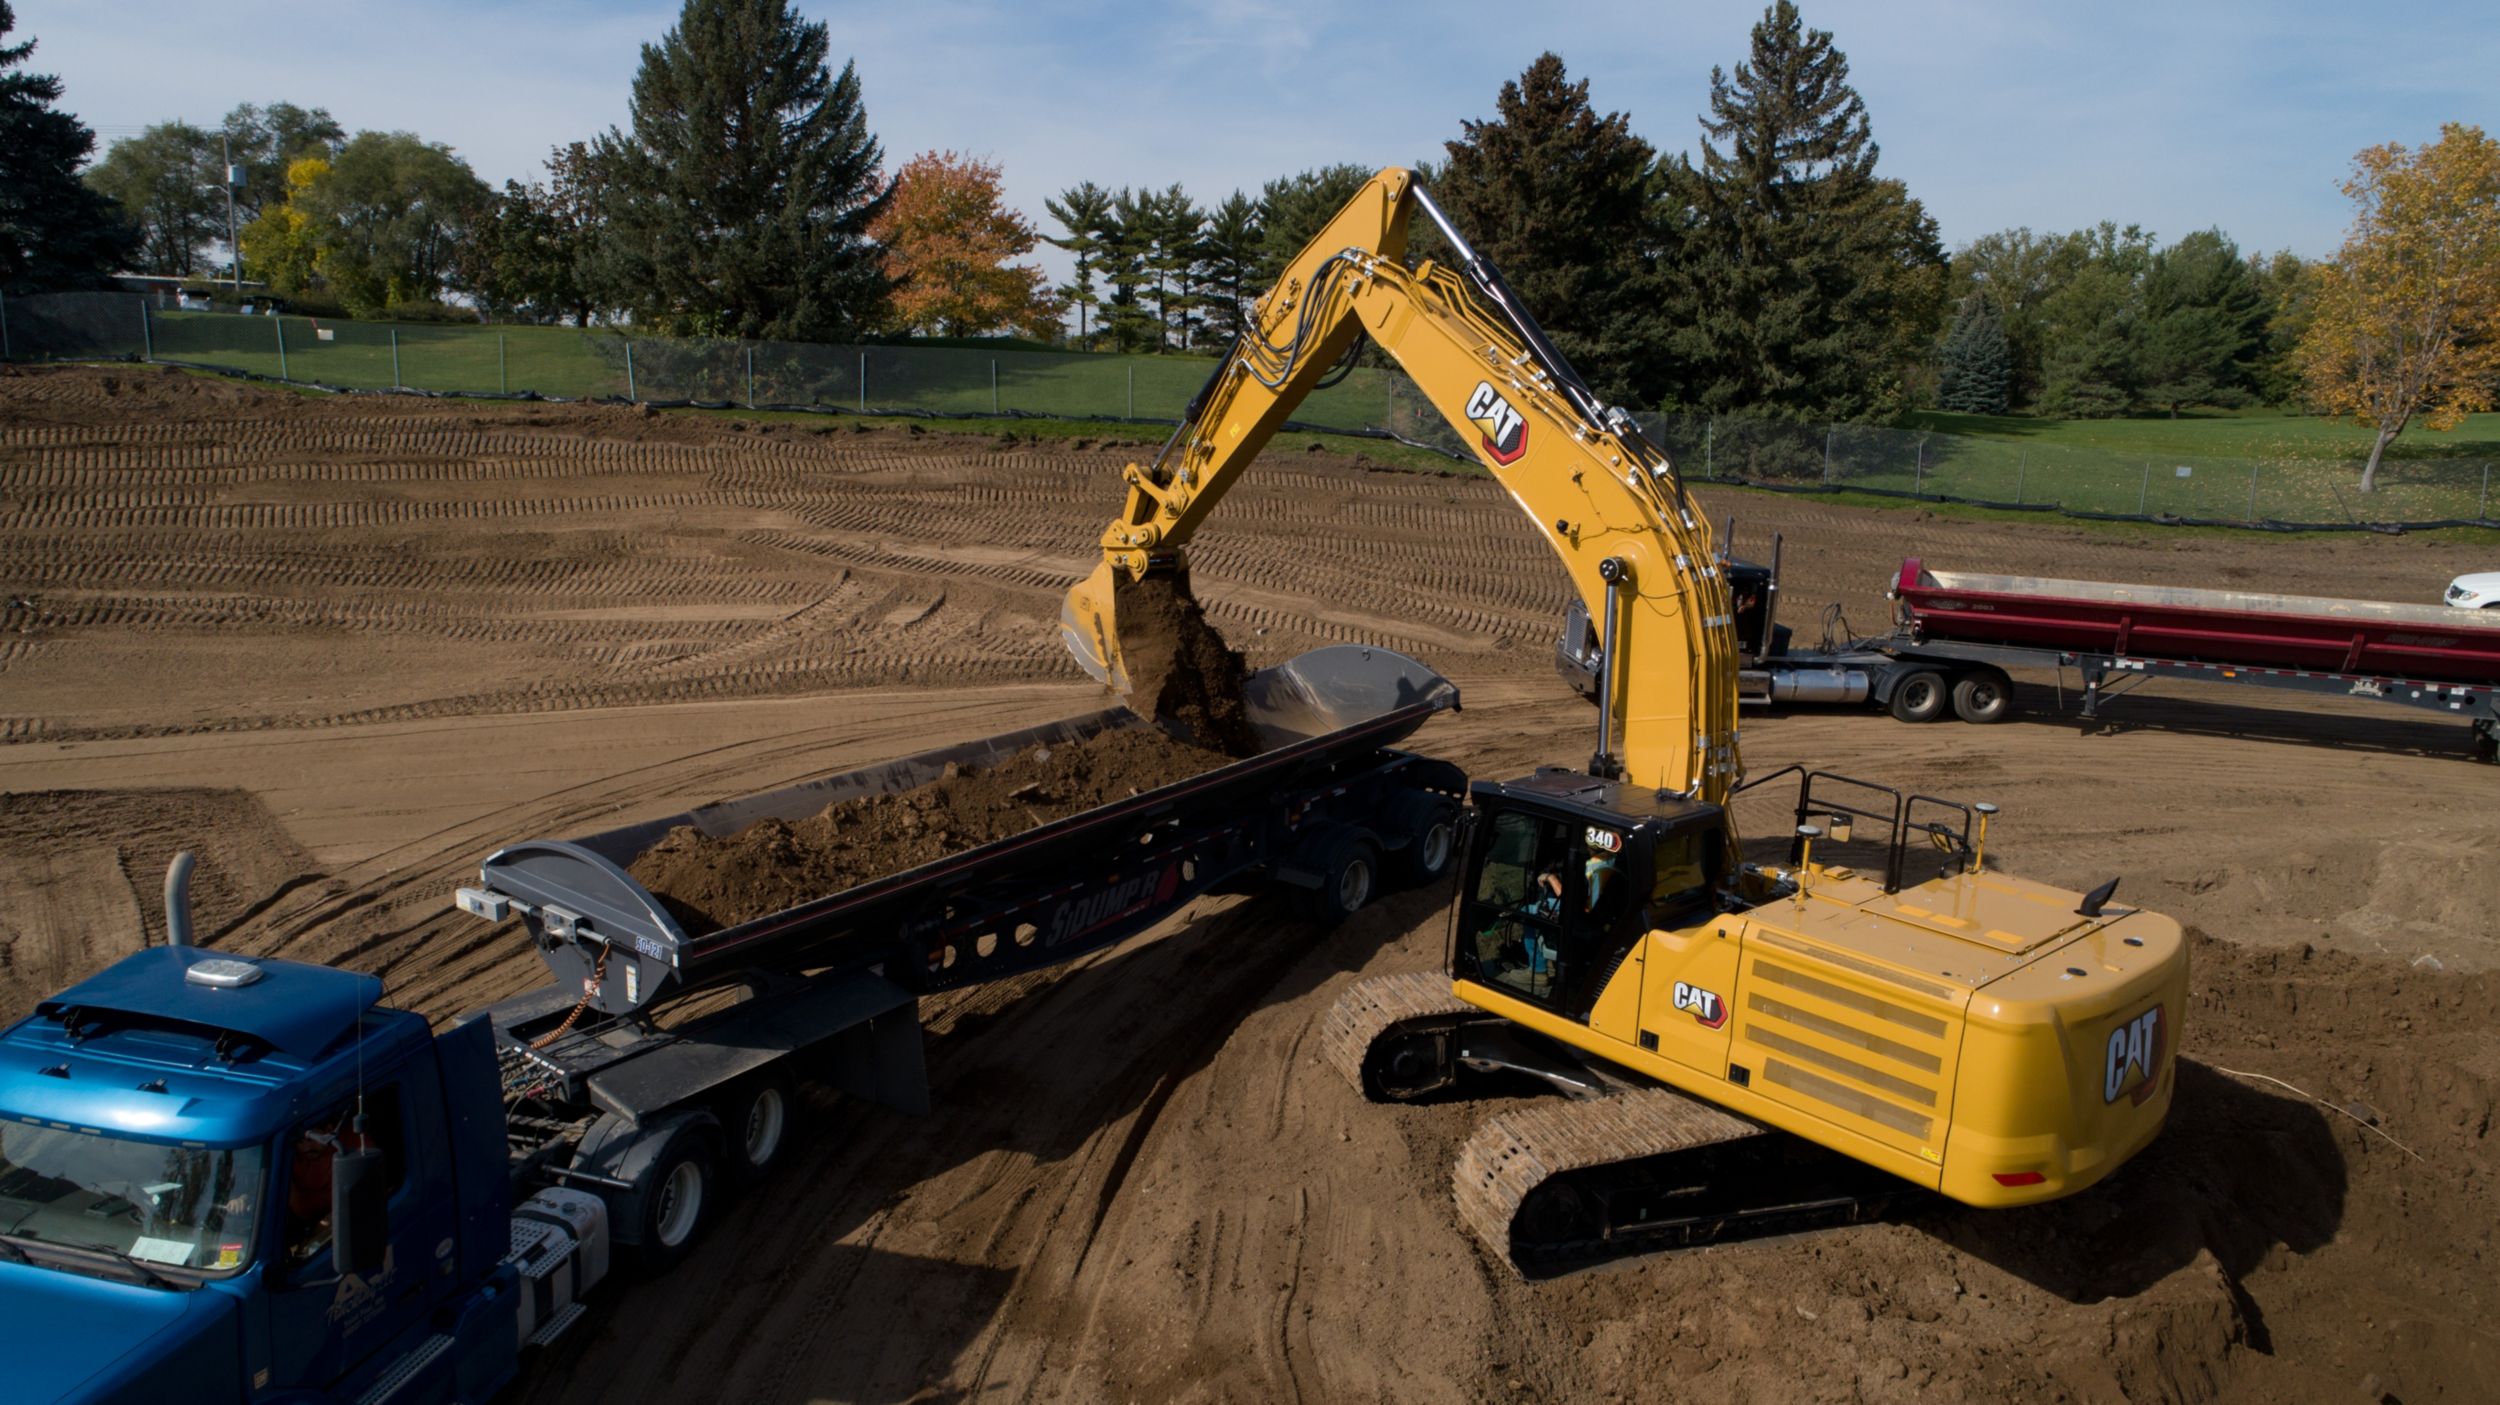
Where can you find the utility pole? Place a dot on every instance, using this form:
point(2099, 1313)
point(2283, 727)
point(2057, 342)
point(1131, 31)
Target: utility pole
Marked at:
point(234, 248)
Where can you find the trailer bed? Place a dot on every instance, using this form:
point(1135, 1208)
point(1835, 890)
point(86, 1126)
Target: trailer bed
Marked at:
point(1329, 711)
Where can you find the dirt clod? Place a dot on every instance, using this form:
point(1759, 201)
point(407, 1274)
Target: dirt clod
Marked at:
point(709, 883)
point(1179, 668)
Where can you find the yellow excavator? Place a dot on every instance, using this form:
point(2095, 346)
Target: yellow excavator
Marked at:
point(1744, 1041)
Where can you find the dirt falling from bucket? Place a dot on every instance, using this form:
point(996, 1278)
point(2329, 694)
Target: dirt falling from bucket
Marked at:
point(1180, 670)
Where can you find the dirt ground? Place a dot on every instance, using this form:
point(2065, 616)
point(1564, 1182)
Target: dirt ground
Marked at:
point(345, 647)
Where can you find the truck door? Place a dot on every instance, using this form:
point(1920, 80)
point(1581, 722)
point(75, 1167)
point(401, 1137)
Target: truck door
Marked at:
point(323, 1325)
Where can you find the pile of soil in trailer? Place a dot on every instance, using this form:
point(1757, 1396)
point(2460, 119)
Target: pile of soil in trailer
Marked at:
point(710, 882)
point(1179, 668)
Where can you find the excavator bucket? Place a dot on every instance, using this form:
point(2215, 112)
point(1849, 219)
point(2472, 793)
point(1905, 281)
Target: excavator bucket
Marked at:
point(1091, 632)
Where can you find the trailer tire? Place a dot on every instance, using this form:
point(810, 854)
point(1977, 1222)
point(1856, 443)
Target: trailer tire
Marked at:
point(1983, 696)
point(758, 1120)
point(1430, 824)
point(1920, 697)
point(1349, 876)
point(676, 1192)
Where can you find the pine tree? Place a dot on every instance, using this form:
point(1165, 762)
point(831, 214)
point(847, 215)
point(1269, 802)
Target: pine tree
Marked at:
point(1975, 361)
point(2093, 327)
point(1126, 236)
point(1174, 225)
point(1082, 211)
point(1808, 286)
point(2204, 325)
point(55, 232)
point(1231, 266)
point(1293, 209)
point(1557, 197)
point(743, 195)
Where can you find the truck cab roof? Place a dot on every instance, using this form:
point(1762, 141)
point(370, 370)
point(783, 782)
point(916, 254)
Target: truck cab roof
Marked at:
point(191, 1044)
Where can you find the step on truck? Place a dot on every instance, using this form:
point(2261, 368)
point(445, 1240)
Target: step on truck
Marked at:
point(235, 1178)
point(1956, 633)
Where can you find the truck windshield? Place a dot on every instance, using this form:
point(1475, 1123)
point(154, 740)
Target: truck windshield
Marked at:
point(186, 1207)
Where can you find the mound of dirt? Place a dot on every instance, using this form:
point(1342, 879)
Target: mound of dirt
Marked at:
point(709, 883)
point(95, 395)
point(1179, 668)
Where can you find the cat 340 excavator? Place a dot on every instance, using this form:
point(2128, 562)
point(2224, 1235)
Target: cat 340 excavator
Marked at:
point(1744, 1043)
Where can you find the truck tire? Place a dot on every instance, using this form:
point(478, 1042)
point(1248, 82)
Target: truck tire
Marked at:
point(1430, 824)
point(1349, 876)
point(758, 1121)
point(1920, 697)
point(1983, 695)
point(676, 1191)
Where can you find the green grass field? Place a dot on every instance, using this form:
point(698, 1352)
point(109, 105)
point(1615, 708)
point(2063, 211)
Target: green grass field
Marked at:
point(2237, 467)
point(564, 361)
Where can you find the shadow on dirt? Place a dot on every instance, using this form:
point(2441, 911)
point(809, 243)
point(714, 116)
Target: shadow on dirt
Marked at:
point(2380, 728)
point(2238, 1171)
point(1026, 1073)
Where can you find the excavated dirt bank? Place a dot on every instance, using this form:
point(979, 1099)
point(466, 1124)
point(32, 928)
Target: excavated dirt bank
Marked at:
point(395, 635)
point(712, 882)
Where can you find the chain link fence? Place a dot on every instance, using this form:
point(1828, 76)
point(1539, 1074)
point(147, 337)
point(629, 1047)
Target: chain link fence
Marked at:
point(2289, 491)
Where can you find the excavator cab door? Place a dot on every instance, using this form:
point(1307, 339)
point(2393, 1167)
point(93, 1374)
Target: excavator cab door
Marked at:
point(1550, 907)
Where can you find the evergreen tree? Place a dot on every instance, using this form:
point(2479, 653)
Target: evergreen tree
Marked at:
point(2092, 327)
point(1976, 361)
point(1293, 209)
point(1126, 239)
point(1227, 278)
point(742, 197)
point(55, 231)
point(2017, 271)
point(2204, 325)
point(1082, 211)
point(1557, 197)
point(1808, 286)
point(171, 187)
point(1175, 225)
point(2282, 283)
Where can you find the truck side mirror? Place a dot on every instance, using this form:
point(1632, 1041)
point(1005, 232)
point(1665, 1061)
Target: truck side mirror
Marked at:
point(360, 1231)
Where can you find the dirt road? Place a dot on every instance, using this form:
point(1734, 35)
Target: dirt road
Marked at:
point(344, 647)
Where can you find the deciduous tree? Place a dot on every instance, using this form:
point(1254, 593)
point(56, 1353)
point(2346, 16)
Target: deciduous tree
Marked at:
point(743, 194)
point(55, 231)
point(2405, 319)
point(278, 245)
point(265, 141)
point(388, 218)
point(949, 240)
point(170, 184)
point(1292, 209)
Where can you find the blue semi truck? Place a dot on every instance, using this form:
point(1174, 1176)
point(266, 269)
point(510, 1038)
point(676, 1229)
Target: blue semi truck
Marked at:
point(236, 1178)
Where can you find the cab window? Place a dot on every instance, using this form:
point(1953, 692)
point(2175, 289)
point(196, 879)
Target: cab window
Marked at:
point(1527, 894)
point(1682, 868)
point(311, 1151)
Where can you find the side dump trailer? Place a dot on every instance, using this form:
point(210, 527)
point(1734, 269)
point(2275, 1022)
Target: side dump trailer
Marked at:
point(1955, 634)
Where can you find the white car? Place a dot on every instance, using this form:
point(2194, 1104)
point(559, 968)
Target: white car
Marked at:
point(2480, 591)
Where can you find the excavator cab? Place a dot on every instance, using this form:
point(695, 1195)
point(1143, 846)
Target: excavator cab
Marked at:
point(1567, 873)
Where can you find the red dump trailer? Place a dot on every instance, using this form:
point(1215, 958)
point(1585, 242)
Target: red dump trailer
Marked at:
point(1956, 633)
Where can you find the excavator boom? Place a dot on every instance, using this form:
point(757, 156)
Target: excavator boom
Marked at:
point(1608, 501)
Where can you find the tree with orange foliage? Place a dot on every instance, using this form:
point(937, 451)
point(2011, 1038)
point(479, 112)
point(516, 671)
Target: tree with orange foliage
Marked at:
point(948, 238)
point(2406, 317)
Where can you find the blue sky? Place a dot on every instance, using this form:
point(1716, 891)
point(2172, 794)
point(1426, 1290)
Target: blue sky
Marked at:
point(2176, 116)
